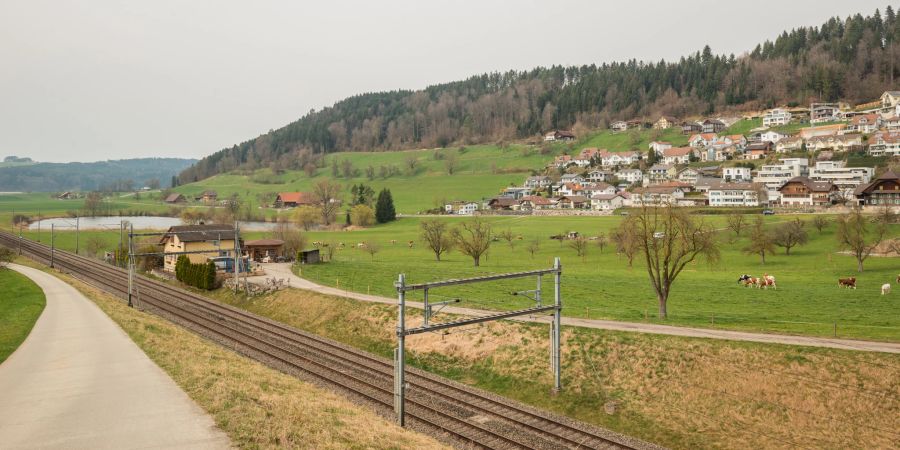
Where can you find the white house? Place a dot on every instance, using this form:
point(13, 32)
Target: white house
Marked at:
point(688, 175)
point(866, 123)
point(789, 144)
point(571, 178)
point(598, 175)
point(771, 136)
point(775, 117)
point(607, 202)
point(631, 176)
point(538, 182)
point(736, 174)
point(890, 99)
point(733, 194)
point(461, 208)
point(619, 125)
point(559, 135)
point(659, 146)
point(838, 143)
point(773, 176)
point(656, 195)
point(884, 144)
point(660, 172)
point(592, 189)
point(677, 155)
point(702, 140)
point(824, 112)
point(613, 159)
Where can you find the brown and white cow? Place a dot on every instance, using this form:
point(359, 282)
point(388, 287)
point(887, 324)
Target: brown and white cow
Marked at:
point(766, 281)
point(849, 283)
point(747, 280)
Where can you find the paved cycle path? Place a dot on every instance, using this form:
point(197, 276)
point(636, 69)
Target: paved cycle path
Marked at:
point(78, 381)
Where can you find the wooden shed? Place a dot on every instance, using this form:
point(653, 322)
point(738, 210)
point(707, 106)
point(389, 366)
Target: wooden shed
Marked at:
point(262, 248)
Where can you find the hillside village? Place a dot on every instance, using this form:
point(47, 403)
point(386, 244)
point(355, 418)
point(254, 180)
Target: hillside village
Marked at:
point(795, 159)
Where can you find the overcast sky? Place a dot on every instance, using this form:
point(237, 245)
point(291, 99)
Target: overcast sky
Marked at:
point(104, 79)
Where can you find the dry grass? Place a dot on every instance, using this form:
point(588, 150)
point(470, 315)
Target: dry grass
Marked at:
point(678, 392)
point(257, 406)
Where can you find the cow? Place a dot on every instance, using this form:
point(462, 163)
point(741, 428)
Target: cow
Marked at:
point(847, 282)
point(898, 279)
point(410, 243)
point(747, 280)
point(393, 241)
point(766, 281)
point(885, 288)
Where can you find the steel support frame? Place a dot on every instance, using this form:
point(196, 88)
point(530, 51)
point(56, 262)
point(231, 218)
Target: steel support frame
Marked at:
point(402, 288)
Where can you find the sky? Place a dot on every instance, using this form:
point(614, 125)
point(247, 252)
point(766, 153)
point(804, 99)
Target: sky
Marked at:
point(113, 79)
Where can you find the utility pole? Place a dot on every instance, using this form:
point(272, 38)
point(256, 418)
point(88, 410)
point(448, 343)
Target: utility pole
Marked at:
point(236, 257)
point(52, 246)
point(76, 234)
point(119, 248)
point(130, 264)
point(557, 322)
point(39, 226)
point(399, 362)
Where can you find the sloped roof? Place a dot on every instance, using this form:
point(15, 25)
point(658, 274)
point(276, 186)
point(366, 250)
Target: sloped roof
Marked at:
point(296, 197)
point(677, 151)
point(198, 233)
point(174, 198)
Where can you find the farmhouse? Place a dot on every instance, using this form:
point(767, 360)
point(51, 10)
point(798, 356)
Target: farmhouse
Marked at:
point(571, 178)
point(532, 202)
point(689, 127)
point(688, 175)
point(213, 240)
point(66, 196)
point(559, 135)
point(207, 197)
point(613, 159)
point(461, 208)
point(664, 123)
point(607, 202)
point(801, 191)
point(890, 99)
point(502, 203)
point(619, 125)
point(884, 190)
point(293, 199)
point(758, 150)
point(713, 125)
point(175, 198)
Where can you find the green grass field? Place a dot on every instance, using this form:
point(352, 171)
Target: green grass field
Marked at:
point(602, 286)
point(21, 303)
point(616, 142)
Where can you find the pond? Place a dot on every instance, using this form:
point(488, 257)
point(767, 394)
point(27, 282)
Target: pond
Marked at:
point(139, 222)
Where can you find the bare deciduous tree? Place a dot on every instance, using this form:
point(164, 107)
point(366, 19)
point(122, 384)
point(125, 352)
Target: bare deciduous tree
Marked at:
point(473, 238)
point(580, 245)
point(508, 236)
point(451, 163)
point(294, 239)
point(437, 237)
point(853, 235)
point(307, 217)
point(670, 238)
point(602, 240)
point(625, 240)
point(533, 247)
point(790, 234)
point(94, 245)
point(736, 223)
point(820, 222)
point(761, 241)
point(327, 195)
point(371, 248)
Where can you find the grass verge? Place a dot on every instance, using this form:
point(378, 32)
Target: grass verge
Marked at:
point(677, 392)
point(258, 407)
point(21, 303)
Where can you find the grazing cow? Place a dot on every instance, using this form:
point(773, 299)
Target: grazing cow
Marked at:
point(885, 288)
point(898, 279)
point(410, 243)
point(747, 280)
point(847, 282)
point(766, 281)
point(393, 241)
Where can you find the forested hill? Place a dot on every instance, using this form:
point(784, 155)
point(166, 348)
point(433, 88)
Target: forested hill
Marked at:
point(120, 175)
point(851, 59)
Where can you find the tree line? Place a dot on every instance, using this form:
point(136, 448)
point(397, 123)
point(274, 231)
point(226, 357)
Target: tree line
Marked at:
point(850, 59)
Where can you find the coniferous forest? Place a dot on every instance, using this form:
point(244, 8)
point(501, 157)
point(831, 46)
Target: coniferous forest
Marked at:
point(853, 60)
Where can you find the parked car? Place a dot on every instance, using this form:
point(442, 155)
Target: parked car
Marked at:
point(768, 212)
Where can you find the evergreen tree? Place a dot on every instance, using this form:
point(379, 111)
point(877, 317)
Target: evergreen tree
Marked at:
point(210, 275)
point(384, 207)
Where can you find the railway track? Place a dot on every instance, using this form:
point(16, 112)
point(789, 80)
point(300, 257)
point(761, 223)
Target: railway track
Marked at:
point(460, 414)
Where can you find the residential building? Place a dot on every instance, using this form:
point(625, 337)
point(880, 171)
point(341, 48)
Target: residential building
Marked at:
point(864, 123)
point(884, 190)
point(538, 182)
point(587, 156)
point(516, 192)
point(837, 143)
point(570, 189)
point(734, 194)
point(660, 173)
point(631, 176)
point(892, 124)
point(562, 161)
point(592, 189)
point(789, 144)
point(688, 175)
point(677, 155)
point(771, 136)
point(571, 178)
point(718, 152)
point(654, 195)
point(709, 171)
point(824, 112)
point(617, 159)
point(713, 125)
point(847, 179)
point(461, 208)
point(776, 117)
point(890, 99)
point(212, 240)
point(574, 202)
point(736, 174)
point(801, 191)
point(664, 123)
point(758, 150)
point(884, 144)
point(533, 202)
point(293, 199)
point(618, 126)
point(559, 135)
point(773, 176)
point(659, 146)
point(599, 175)
point(689, 127)
point(503, 203)
point(702, 140)
point(207, 197)
point(607, 202)
point(738, 140)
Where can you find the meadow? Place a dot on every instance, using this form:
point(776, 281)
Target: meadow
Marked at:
point(21, 303)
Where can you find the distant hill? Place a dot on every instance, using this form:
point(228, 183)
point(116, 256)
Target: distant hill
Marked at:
point(14, 161)
point(848, 59)
point(125, 174)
